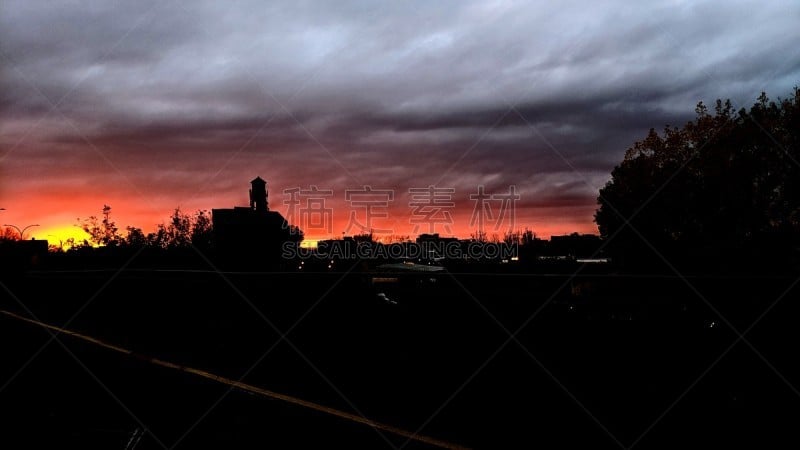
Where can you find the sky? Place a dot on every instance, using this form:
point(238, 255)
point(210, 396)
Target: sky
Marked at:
point(513, 112)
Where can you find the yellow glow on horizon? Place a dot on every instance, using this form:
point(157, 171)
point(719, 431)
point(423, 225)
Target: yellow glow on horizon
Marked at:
point(58, 235)
point(309, 243)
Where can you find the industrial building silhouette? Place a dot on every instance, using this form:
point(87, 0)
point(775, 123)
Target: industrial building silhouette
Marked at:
point(251, 234)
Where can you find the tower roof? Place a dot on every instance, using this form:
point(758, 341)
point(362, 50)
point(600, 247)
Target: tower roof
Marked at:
point(258, 180)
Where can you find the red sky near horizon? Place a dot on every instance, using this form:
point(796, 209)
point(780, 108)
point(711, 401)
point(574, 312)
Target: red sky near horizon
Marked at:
point(321, 217)
point(149, 106)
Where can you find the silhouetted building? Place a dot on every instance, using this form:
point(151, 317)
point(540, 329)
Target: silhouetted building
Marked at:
point(22, 255)
point(252, 233)
point(575, 245)
point(434, 248)
point(258, 195)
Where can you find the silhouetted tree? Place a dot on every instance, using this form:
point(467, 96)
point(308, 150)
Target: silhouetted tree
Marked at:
point(202, 232)
point(135, 237)
point(179, 230)
point(183, 230)
point(479, 236)
point(519, 237)
point(8, 234)
point(101, 231)
point(159, 238)
point(528, 237)
point(725, 183)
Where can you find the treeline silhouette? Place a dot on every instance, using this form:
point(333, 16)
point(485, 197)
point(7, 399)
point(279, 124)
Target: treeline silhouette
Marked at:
point(182, 230)
point(720, 193)
point(189, 241)
point(185, 240)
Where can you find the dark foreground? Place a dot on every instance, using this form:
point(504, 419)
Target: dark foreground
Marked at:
point(482, 361)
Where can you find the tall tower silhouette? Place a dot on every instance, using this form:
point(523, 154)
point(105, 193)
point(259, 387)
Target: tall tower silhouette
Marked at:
point(251, 236)
point(258, 195)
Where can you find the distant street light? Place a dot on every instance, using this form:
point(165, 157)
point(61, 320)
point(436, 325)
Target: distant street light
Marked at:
point(21, 231)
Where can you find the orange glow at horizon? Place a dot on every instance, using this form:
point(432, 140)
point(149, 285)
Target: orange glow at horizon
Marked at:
point(61, 226)
point(59, 215)
point(540, 229)
point(59, 233)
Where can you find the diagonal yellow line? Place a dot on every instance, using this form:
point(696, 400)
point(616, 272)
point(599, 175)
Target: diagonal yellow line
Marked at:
point(243, 386)
point(282, 337)
point(54, 337)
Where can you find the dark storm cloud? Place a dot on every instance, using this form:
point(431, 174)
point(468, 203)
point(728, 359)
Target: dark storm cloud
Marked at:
point(363, 92)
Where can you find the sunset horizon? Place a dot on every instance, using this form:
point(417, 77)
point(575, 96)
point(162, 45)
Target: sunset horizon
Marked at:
point(157, 106)
point(461, 224)
point(399, 220)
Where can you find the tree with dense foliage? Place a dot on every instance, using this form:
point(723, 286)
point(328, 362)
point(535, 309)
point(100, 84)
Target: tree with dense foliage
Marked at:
point(102, 232)
point(182, 230)
point(135, 237)
point(726, 184)
point(202, 235)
